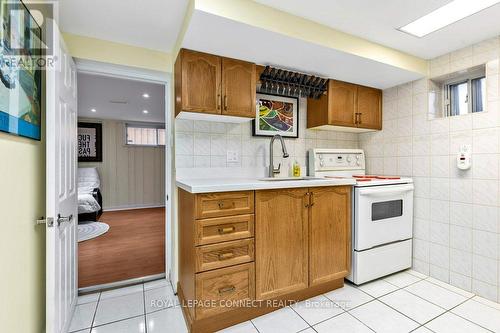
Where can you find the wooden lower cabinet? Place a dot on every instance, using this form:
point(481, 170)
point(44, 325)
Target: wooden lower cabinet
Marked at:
point(329, 234)
point(281, 239)
point(287, 245)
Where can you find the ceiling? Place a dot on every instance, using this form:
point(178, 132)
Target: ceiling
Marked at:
point(99, 92)
point(377, 21)
point(214, 34)
point(152, 24)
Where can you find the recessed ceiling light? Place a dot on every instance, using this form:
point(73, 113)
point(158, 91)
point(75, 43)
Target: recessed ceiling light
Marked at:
point(145, 95)
point(446, 15)
point(145, 111)
point(93, 110)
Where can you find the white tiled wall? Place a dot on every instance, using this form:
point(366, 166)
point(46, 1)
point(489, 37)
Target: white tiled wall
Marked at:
point(456, 227)
point(202, 144)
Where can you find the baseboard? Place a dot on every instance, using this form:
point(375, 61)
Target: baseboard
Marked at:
point(111, 209)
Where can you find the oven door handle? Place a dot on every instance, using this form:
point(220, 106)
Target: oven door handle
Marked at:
point(376, 192)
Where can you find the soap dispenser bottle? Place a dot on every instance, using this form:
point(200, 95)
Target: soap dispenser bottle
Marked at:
point(296, 169)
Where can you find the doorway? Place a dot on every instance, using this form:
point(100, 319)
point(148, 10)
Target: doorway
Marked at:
point(126, 240)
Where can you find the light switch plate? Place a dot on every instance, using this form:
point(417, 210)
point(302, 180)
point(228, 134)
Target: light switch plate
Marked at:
point(232, 156)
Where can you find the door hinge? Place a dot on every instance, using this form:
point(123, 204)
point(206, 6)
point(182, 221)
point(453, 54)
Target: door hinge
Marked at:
point(49, 221)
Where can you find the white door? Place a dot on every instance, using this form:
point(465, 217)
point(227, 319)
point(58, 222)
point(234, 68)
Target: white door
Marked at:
point(61, 247)
point(383, 214)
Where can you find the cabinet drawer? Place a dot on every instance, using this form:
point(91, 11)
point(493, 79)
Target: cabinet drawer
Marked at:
point(215, 290)
point(223, 255)
point(224, 204)
point(223, 229)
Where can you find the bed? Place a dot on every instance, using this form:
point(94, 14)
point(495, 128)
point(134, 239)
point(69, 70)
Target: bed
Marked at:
point(89, 195)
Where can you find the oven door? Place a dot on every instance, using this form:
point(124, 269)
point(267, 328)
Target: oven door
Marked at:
point(382, 215)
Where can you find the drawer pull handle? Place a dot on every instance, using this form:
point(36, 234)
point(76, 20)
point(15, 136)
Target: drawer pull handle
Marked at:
point(227, 230)
point(224, 205)
point(225, 256)
point(226, 290)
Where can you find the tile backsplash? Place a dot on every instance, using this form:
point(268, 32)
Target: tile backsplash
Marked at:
point(456, 215)
point(203, 144)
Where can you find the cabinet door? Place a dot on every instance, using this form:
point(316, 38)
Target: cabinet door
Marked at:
point(330, 234)
point(281, 242)
point(342, 103)
point(369, 108)
point(238, 88)
point(201, 82)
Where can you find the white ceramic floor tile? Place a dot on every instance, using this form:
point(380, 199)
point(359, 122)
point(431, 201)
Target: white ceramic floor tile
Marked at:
point(168, 320)
point(281, 321)
point(156, 284)
point(436, 294)
point(82, 317)
point(450, 323)
point(417, 274)
point(378, 288)
point(412, 306)
point(317, 309)
point(90, 298)
point(381, 318)
point(122, 291)
point(480, 314)
point(487, 302)
point(348, 297)
point(342, 323)
point(118, 308)
point(451, 288)
point(245, 327)
point(402, 279)
point(160, 298)
point(132, 325)
point(422, 329)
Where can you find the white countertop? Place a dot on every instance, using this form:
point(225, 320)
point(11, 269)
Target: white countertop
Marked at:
point(208, 185)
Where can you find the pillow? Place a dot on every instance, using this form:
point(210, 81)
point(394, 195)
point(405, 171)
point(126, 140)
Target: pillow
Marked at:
point(88, 178)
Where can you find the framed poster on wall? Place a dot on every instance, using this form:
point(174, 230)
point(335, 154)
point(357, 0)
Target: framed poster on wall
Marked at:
point(276, 114)
point(89, 142)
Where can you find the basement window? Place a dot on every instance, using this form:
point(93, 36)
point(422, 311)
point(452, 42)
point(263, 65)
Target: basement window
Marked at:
point(465, 95)
point(144, 134)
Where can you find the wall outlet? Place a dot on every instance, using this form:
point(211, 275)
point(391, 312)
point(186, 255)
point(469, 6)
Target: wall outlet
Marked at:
point(232, 156)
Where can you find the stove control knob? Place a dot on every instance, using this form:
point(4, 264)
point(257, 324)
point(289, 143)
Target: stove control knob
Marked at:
point(321, 163)
point(348, 159)
point(357, 157)
point(358, 163)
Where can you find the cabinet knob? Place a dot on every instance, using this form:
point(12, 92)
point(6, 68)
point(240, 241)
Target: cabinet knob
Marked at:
point(226, 290)
point(226, 230)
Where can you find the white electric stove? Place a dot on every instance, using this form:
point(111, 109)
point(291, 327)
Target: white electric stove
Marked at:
point(382, 214)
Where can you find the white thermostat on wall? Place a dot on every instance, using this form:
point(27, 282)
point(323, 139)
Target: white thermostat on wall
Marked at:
point(464, 157)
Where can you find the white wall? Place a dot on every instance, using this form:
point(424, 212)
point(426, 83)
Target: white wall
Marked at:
point(456, 227)
point(201, 144)
point(131, 177)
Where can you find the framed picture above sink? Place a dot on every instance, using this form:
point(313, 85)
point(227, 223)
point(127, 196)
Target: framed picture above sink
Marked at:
point(276, 114)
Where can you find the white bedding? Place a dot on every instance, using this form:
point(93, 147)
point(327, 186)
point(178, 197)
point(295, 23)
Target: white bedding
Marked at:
point(87, 203)
point(88, 180)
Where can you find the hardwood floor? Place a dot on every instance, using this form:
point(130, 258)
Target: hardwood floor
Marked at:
point(133, 247)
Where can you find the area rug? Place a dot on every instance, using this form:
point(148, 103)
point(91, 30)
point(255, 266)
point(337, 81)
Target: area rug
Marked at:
point(88, 230)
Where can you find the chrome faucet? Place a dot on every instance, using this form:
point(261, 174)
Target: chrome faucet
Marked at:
point(272, 170)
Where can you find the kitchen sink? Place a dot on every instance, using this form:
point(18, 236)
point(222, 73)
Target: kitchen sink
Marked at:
point(274, 179)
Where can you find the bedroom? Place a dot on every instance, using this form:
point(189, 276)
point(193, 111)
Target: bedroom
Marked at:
point(121, 180)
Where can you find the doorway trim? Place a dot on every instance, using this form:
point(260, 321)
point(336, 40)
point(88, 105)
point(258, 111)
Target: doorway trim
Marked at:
point(165, 78)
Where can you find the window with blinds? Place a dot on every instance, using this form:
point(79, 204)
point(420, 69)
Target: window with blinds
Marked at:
point(145, 134)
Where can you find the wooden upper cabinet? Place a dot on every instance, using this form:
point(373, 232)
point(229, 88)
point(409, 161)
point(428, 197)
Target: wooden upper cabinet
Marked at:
point(200, 82)
point(346, 105)
point(342, 100)
point(281, 242)
point(211, 84)
point(238, 88)
point(369, 108)
point(329, 234)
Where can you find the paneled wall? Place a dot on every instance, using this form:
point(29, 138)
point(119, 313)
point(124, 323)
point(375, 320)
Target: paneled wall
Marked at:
point(201, 144)
point(131, 177)
point(456, 226)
